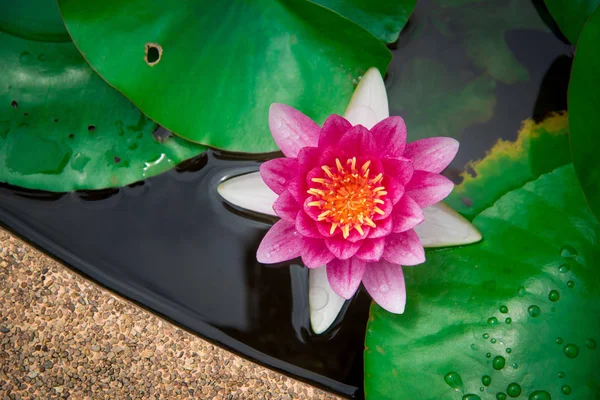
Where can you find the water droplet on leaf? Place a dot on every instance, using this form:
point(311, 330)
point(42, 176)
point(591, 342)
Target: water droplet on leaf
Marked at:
point(561, 375)
point(503, 309)
point(564, 268)
point(513, 390)
point(508, 320)
point(571, 350)
point(566, 389)
point(534, 311)
point(590, 344)
point(568, 252)
point(553, 295)
point(540, 395)
point(498, 362)
point(508, 350)
point(454, 380)
point(501, 396)
point(492, 320)
point(559, 340)
point(486, 380)
point(571, 284)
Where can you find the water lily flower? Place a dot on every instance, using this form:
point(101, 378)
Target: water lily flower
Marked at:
point(356, 201)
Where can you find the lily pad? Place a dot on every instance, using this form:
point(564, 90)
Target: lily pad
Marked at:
point(384, 19)
point(482, 25)
point(571, 15)
point(434, 102)
point(210, 73)
point(33, 20)
point(539, 148)
point(584, 103)
point(63, 128)
point(515, 314)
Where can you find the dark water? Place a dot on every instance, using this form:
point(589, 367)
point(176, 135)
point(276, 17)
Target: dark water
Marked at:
point(170, 243)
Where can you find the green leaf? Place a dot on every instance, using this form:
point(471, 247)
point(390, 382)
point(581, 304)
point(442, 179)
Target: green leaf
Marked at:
point(63, 128)
point(222, 64)
point(539, 149)
point(584, 119)
point(482, 26)
point(33, 20)
point(436, 103)
point(520, 308)
point(384, 19)
point(571, 15)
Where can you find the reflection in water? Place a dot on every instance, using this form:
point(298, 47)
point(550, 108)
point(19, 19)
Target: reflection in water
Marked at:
point(171, 244)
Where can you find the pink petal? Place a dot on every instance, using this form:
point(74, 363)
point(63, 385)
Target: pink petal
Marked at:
point(427, 188)
point(281, 243)
point(432, 154)
point(315, 253)
point(278, 173)
point(286, 207)
point(291, 129)
point(357, 141)
point(404, 248)
point(332, 131)
point(306, 226)
point(385, 283)
point(341, 248)
point(406, 215)
point(395, 190)
point(401, 169)
point(371, 250)
point(345, 276)
point(390, 137)
point(383, 228)
point(308, 158)
point(387, 207)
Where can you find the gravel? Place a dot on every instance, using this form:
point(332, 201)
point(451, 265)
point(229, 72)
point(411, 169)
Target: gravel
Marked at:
point(62, 336)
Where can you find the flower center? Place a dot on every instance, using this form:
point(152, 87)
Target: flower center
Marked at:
point(348, 197)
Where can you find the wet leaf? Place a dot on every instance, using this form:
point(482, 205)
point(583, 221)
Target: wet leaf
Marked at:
point(481, 26)
point(63, 128)
point(514, 314)
point(221, 66)
point(584, 119)
point(571, 15)
point(33, 20)
point(539, 149)
point(384, 19)
point(434, 102)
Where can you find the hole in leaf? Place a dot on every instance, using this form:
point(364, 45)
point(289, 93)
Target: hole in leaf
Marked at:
point(91, 128)
point(153, 54)
point(14, 104)
point(117, 160)
point(71, 136)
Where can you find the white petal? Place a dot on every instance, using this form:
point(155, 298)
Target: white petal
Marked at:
point(369, 103)
point(445, 227)
point(250, 192)
point(325, 304)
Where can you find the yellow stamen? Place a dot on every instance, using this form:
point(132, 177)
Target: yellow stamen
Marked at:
point(322, 216)
point(346, 197)
point(346, 231)
point(359, 229)
point(370, 222)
